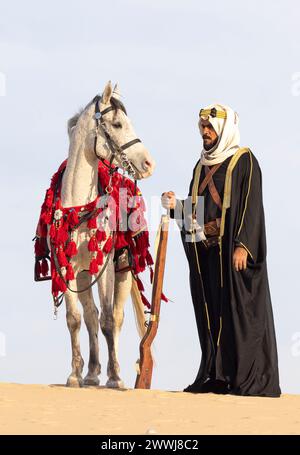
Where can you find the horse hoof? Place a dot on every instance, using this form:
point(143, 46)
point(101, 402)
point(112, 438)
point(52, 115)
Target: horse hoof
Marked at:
point(91, 380)
point(115, 384)
point(74, 381)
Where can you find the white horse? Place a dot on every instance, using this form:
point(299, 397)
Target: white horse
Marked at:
point(79, 187)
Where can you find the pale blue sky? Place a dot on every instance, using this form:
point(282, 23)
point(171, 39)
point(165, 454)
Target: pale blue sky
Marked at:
point(170, 58)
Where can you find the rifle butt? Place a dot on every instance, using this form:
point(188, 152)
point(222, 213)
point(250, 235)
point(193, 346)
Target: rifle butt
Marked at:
point(144, 377)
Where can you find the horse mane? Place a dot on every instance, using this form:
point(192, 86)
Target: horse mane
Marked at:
point(72, 122)
point(117, 104)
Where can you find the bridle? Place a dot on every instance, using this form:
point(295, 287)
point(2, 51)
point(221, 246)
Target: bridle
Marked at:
point(116, 151)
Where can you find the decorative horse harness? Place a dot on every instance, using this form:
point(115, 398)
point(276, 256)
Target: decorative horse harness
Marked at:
point(116, 152)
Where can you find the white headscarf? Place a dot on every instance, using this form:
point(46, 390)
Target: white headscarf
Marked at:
point(228, 133)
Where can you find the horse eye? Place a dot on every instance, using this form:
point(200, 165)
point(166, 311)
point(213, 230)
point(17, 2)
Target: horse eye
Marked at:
point(117, 125)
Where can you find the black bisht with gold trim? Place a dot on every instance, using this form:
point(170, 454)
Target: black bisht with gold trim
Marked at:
point(244, 352)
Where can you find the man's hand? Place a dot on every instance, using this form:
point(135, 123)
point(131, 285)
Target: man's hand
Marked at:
point(240, 258)
point(168, 200)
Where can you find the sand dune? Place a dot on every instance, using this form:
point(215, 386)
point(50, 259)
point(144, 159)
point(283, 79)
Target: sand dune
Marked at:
point(39, 409)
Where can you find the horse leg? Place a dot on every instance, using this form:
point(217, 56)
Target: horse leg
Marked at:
point(74, 321)
point(90, 315)
point(123, 283)
point(106, 295)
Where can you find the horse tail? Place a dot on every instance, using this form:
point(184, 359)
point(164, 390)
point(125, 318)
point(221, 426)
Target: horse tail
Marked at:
point(140, 318)
point(138, 308)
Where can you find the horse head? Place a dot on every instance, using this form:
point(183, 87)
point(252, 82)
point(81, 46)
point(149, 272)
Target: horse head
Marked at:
point(109, 134)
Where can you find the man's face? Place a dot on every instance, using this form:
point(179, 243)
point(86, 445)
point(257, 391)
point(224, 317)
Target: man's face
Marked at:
point(210, 137)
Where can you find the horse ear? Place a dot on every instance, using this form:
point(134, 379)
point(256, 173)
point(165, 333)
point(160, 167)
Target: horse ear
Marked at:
point(116, 92)
point(107, 93)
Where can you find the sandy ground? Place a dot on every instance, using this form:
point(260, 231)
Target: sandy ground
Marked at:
point(39, 409)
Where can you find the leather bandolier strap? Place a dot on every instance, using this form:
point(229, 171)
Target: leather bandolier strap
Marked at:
point(213, 190)
point(212, 228)
point(209, 172)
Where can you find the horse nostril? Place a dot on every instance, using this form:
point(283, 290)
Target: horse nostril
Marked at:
point(147, 164)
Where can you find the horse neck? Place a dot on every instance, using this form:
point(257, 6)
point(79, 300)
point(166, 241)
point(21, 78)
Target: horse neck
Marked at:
point(80, 180)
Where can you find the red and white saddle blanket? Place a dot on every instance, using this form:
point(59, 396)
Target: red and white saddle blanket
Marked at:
point(62, 223)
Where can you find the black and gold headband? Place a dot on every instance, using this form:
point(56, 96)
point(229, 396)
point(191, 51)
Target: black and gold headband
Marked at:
point(205, 113)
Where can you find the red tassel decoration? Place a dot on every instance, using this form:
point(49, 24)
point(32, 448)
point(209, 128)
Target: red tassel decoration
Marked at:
point(52, 232)
point(164, 298)
point(149, 259)
point(70, 273)
point(93, 244)
point(92, 223)
point(63, 262)
point(49, 198)
point(140, 284)
point(142, 243)
point(93, 267)
point(139, 243)
point(58, 284)
point(45, 267)
point(108, 245)
point(46, 217)
point(73, 218)
point(62, 235)
point(120, 241)
point(130, 242)
point(61, 230)
point(71, 249)
point(142, 263)
point(136, 264)
point(44, 230)
point(100, 235)
point(55, 284)
point(145, 301)
point(99, 257)
point(38, 250)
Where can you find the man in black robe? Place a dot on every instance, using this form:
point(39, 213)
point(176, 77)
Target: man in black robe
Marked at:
point(226, 253)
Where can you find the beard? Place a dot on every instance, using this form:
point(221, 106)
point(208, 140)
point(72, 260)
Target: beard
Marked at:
point(208, 146)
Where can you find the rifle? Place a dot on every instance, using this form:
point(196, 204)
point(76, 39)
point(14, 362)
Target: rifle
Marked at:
point(143, 379)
